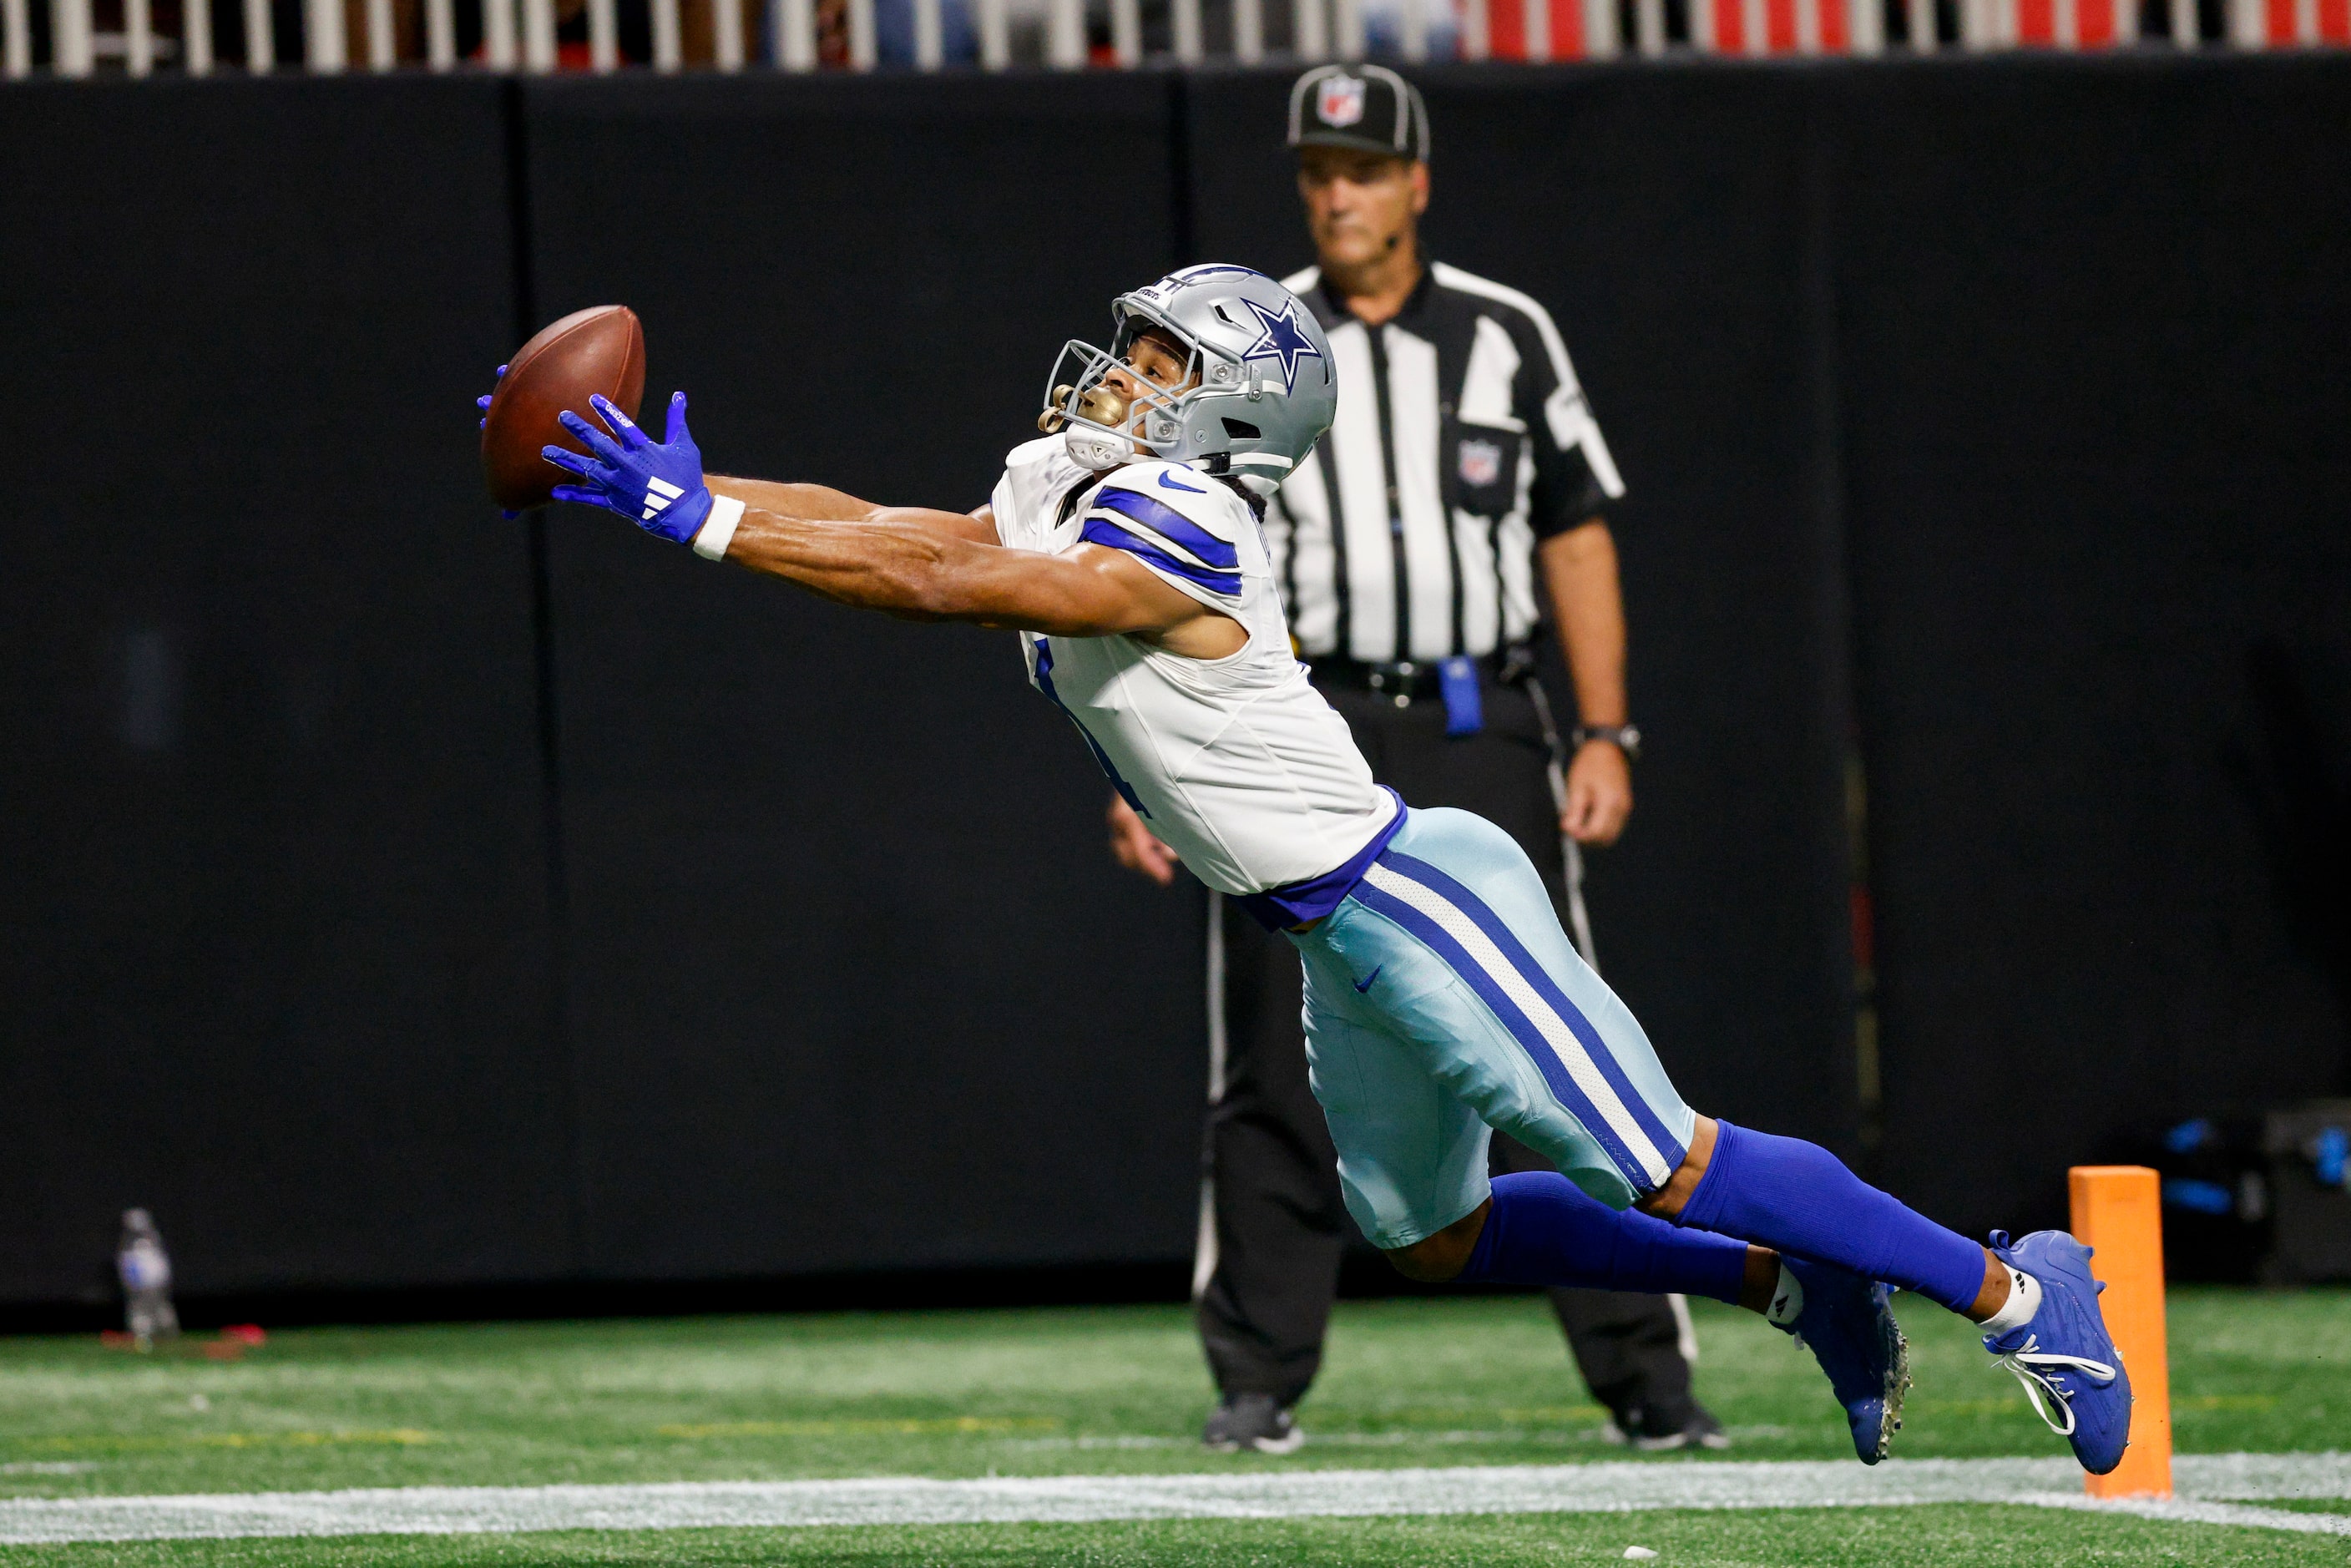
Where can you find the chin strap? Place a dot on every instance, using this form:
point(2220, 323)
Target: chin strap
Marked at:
point(2045, 1389)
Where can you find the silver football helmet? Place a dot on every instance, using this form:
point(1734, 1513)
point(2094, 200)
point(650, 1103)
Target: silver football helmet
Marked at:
point(1259, 392)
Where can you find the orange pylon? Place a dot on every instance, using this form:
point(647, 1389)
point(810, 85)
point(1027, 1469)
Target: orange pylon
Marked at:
point(2118, 1211)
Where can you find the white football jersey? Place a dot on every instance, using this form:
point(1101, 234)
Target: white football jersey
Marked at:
point(1237, 763)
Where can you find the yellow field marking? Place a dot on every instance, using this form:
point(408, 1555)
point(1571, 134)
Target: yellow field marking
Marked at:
point(399, 1435)
point(1451, 1416)
point(2006, 1404)
point(862, 1428)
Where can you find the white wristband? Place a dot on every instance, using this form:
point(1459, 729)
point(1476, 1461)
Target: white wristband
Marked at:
point(717, 530)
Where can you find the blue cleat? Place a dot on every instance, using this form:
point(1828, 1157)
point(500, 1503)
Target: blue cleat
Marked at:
point(1848, 1322)
point(2064, 1357)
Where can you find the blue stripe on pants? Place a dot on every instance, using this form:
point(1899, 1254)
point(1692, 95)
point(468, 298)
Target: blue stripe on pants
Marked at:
point(1595, 1048)
point(1563, 1087)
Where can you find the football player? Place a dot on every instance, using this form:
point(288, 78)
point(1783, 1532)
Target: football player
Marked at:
point(1442, 997)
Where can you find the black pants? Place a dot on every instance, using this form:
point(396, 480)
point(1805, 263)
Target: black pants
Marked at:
point(1280, 1225)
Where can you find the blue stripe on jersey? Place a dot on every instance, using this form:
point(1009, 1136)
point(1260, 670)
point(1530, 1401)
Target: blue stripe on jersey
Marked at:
point(1171, 524)
point(1110, 770)
point(1102, 531)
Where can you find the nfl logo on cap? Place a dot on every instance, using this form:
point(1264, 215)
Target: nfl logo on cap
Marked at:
point(1362, 106)
point(1340, 100)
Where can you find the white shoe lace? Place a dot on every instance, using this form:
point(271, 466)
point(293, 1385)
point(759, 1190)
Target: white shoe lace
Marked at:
point(2042, 1389)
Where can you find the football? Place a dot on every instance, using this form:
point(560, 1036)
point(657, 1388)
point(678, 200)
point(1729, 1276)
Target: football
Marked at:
point(589, 351)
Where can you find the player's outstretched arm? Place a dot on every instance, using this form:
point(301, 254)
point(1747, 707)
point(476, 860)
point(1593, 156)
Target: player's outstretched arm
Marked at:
point(910, 562)
point(822, 504)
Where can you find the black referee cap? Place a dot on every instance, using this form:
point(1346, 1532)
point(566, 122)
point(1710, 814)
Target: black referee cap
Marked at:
point(1365, 107)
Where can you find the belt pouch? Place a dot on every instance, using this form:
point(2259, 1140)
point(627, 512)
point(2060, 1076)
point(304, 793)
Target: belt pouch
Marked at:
point(1465, 707)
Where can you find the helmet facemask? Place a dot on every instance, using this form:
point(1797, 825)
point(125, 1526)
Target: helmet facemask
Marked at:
point(1104, 426)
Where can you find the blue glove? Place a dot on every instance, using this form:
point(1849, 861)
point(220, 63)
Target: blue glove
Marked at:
point(483, 402)
point(657, 486)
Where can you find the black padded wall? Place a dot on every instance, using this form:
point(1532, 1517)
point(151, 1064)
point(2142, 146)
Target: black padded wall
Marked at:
point(1663, 218)
point(853, 980)
point(796, 948)
point(274, 952)
point(2094, 347)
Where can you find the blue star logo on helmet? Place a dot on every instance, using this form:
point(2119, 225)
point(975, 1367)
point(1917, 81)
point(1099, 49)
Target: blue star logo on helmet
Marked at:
point(1280, 338)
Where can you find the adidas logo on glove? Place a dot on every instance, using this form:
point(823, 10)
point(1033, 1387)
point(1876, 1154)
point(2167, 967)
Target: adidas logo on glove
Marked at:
point(659, 494)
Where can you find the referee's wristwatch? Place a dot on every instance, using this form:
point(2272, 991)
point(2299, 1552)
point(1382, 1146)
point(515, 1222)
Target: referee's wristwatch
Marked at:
point(1625, 737)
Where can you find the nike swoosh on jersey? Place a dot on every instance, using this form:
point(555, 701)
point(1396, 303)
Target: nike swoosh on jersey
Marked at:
point(1365, 985)
point(1168, 482)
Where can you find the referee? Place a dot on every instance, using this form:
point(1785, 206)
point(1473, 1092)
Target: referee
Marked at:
point(1463, 487)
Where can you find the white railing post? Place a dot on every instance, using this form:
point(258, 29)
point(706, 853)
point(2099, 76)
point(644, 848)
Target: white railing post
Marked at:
point(1347, 29)
point(383, 50)
point(16, 39)
point(538, 35)
point(326, 44)
point(1127, 32)
point(499, 31)
point(2183, 24)
point(603, 35)
point(1412, 24)
point(1603, 34)
point(1864, 26)
point(69, 42)
point(1752, 19)
point(995, 37)
point(2248, 23)
point(930, 36)
point(1808, 25)
point(1477, 30)
point(1184, 18)
point(1922, 26)
point(668, 52)
point(727, 35)
point(1065, 34)
point(1249, 30)
point(260, 37)
point(860, 35)
point(196, 37)
point(137, 38)
point(1535, 26)
point(1650, 25)
point(795, 24)
point(1309, 30)
point(440, 34)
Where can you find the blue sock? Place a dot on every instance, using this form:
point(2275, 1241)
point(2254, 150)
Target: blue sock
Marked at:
point(1798, 1198)
point(1543, 1230)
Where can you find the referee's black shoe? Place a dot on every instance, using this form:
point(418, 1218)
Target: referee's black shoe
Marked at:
point(1659, 1428)
point(1253, 1421)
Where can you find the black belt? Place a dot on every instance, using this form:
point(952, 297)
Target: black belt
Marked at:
point(1411, 680)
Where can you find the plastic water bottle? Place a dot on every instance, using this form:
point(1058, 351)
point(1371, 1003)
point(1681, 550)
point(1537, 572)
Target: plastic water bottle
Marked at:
point(146, 1272)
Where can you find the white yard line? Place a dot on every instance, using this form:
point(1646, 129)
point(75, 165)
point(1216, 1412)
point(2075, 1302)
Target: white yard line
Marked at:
point(2203, 1480)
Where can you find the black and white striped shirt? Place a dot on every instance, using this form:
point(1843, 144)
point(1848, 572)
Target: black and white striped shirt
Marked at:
point(1462, 440)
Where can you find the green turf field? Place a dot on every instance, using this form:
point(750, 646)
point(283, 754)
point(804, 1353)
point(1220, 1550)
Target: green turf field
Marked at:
point(1431, 1383)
